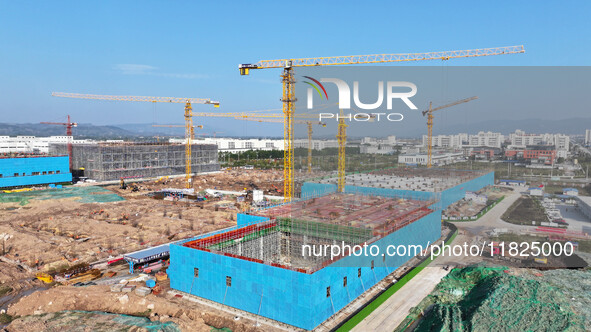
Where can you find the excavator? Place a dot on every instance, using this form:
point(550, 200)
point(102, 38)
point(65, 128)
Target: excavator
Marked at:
point(124, 186)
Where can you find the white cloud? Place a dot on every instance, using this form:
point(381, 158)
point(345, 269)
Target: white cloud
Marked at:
point(137, 69)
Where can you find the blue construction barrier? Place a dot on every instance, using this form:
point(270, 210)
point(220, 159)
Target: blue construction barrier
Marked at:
point(29, 171)
point(289, 296)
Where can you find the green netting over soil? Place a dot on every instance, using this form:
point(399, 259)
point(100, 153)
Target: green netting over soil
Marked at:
point(223, 329)
point(94, 321)
point(491, 299)
point(87, 194)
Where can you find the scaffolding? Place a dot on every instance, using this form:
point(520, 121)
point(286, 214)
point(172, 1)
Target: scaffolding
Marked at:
point(334, 219)
point(113, 161)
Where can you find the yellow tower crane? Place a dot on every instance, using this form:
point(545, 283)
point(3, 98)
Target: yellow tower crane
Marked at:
point(189, 133)
point(288, 79)
point(342, 140)
point(429, 114)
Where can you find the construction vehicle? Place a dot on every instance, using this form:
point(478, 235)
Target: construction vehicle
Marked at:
point(288, 79)
point(189, 134)
point(46, 278)
point(69, 124)
point(429, 114)
point(122, 184)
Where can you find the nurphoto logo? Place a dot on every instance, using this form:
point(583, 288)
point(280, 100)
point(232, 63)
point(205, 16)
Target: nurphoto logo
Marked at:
point(344, 98)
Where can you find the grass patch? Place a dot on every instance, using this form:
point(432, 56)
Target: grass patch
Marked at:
point(525, 210)
point(361, 315)
point(6, 318)
point(5, 290)
point(143, 313)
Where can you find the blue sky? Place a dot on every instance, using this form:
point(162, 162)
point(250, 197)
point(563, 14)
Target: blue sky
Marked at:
point(192, 49)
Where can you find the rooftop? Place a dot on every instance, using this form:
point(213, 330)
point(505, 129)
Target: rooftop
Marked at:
point(353, 219)
point(420, 179)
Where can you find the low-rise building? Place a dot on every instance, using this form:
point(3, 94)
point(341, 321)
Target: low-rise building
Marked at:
point(540, 154)
point(436, 159)
point(33, 144)
point(570, 191)
point(536, 191)
point(520, 140)
point(237, 144)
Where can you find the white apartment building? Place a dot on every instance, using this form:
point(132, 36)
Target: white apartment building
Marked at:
point(446, 141)
point(316, 144)
point(486, 139)
point(520, 140)
point(33, 144)
point(237, 144)
point(587, 136)
point(462, 140)
point(378, 145)
point(390, 140)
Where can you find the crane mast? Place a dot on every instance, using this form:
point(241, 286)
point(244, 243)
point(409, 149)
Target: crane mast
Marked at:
point(287, 78)
point(69, 124)
point(189, 132)
point(429, 114)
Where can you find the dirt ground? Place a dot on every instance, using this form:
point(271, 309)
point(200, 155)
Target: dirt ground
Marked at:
point(51, 234)
point(469, 208)
point(189, 316)
point(232, 179)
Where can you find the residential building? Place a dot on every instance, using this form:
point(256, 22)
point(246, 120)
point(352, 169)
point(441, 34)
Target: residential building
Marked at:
point(237, 144)
point(484, 139)
point(377, 145)
point(560, 142)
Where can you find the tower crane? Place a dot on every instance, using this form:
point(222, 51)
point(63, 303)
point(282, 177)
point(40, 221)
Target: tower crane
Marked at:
point(429, 114)
point(189, 133)
point(342, 140)
point(288, 80)
point(69, 126)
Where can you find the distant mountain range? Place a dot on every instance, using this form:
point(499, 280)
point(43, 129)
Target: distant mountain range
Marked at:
point(573, 126)
point(82, 131)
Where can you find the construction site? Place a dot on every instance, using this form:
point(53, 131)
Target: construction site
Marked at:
point(113, 161)
point(144, 234)
point(259, 266)
point(450, 185)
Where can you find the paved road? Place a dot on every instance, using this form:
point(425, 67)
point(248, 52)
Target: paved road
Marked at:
point(392, 312)
point(576, 221)
point(492, 219)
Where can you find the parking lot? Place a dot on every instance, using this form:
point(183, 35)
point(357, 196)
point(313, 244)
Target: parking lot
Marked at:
point(576, 221)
